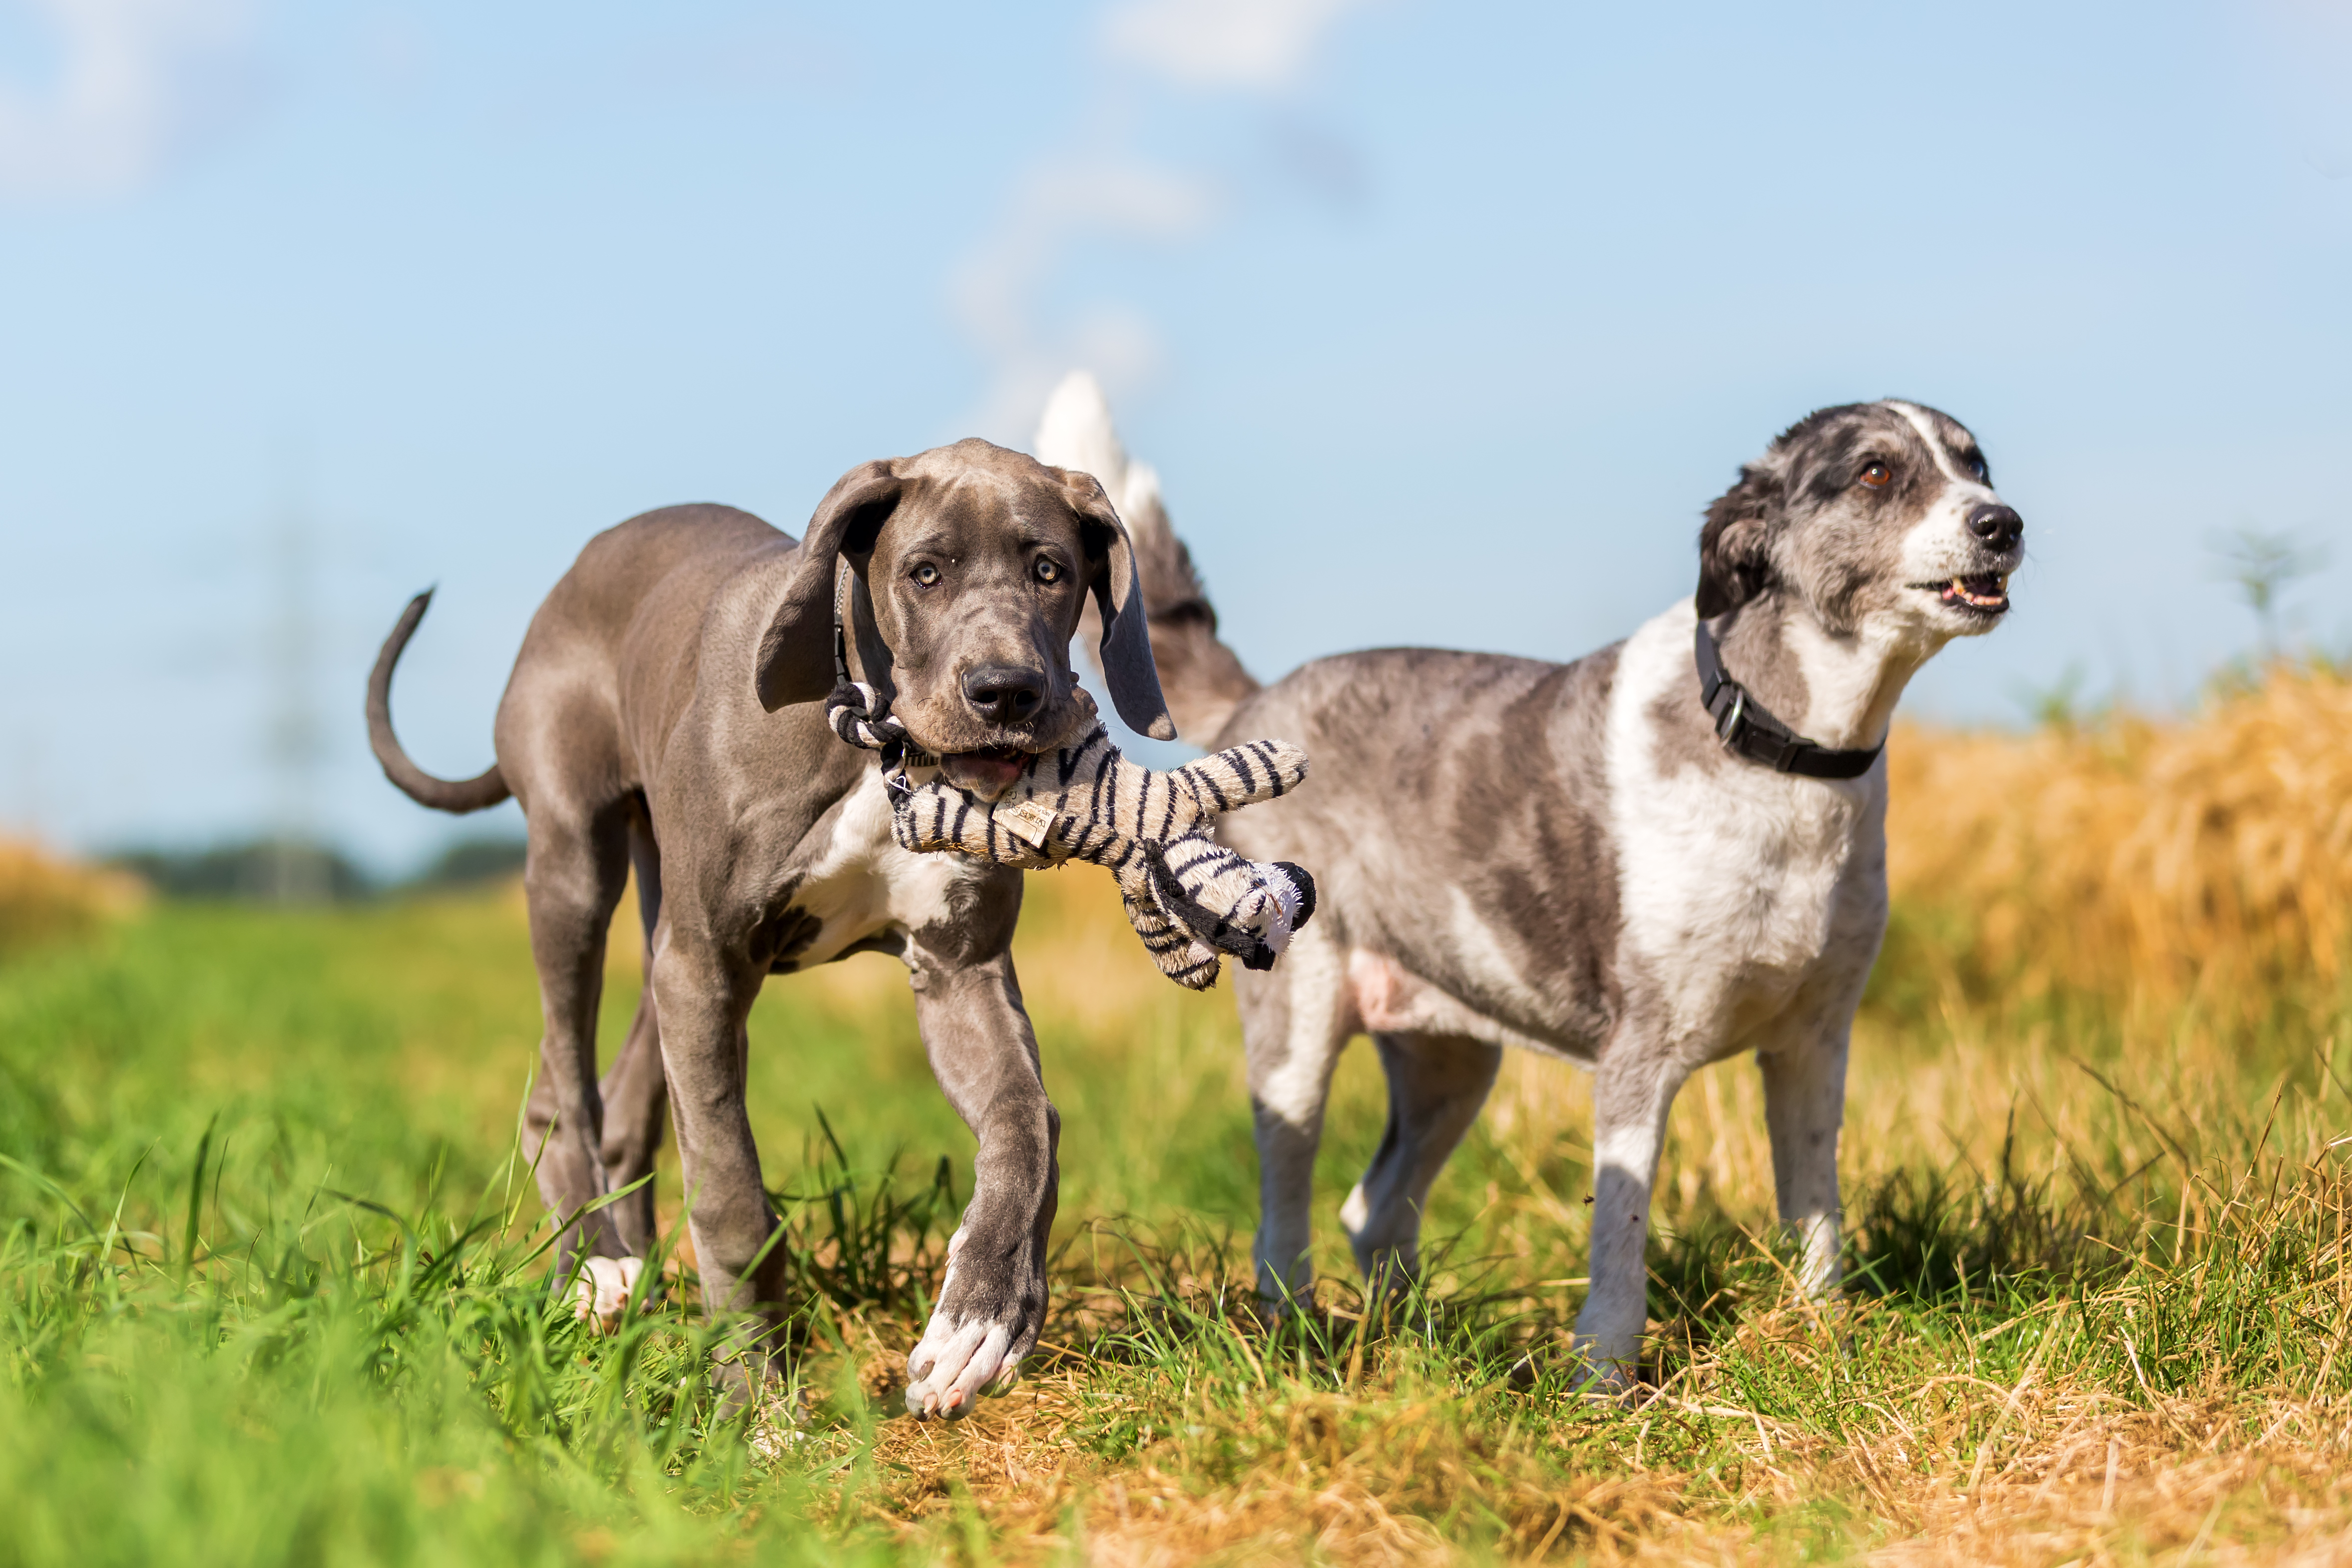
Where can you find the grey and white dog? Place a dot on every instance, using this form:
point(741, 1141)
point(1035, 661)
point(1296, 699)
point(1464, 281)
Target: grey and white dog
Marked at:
point(666, 710)
point(1569, 858)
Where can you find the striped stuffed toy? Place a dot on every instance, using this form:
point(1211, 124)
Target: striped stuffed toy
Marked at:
point(1189, 898)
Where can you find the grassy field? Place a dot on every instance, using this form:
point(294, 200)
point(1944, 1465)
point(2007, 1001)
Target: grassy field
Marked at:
point(271, 1281)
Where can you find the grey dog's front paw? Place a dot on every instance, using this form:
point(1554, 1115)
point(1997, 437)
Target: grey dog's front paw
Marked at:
point(975, 1341)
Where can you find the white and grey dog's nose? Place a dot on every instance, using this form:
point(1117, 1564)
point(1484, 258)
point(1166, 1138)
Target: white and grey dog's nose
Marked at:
point(1996, 525)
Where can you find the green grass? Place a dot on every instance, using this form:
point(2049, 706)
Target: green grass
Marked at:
point(272, 1288)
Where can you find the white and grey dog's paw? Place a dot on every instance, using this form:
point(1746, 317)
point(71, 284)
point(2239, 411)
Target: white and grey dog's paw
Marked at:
point(974, 1342)
point(1606, 1367)
point(600, 1294)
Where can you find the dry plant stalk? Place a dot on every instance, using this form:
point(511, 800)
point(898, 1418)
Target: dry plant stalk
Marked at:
point(2129, 853)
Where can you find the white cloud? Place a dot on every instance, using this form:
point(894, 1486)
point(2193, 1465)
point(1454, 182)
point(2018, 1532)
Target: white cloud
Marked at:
point(995, 290)
point(1002, 290)
point(137, 80)
point(1222, 43)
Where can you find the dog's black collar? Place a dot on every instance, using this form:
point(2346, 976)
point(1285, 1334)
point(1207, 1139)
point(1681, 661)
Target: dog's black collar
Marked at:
point(1746, 726)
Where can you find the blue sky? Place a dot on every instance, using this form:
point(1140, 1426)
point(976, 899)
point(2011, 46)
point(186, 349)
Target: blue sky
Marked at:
point(1442, 323)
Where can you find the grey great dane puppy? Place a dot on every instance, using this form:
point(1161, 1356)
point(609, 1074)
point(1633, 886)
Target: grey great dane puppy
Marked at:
point(665, 711)
point(1569, 859)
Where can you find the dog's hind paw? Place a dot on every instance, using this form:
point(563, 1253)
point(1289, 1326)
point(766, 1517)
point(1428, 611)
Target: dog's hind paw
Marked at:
point(600, 1294)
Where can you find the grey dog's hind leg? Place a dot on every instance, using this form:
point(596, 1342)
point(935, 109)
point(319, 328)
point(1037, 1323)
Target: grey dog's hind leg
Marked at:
point(635, 1092)
point(703, 1001)
point(572, 879)
point(1437, 1085)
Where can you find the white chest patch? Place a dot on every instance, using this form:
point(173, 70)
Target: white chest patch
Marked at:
point(863, 883)
point(1731, 878)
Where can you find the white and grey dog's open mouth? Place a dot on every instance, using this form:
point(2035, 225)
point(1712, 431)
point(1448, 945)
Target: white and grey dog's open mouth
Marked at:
point(1986, 592)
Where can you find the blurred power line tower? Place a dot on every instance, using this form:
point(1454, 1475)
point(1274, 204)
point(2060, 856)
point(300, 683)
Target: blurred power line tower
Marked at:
point(298, 869)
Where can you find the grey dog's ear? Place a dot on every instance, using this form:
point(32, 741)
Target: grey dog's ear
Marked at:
point(1734, 543)
point(1128, 670)
point(796, 651)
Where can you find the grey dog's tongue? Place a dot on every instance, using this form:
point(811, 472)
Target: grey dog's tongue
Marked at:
point(985, 776)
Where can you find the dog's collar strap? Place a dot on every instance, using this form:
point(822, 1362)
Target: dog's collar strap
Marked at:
point(1746, 726)
point(861, 715)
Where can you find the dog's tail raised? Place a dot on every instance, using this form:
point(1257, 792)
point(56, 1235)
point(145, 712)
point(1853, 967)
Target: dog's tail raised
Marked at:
point(458, 795)
point(1201, 677)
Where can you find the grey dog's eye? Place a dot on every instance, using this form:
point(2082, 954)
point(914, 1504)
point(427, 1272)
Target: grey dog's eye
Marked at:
point(1048, 570)
point(1875, 475)
point(927, 574)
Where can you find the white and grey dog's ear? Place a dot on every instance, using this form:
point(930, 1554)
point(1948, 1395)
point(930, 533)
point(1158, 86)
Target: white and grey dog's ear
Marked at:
point(1734, 543)
point(1126, 664)
point(796, 663)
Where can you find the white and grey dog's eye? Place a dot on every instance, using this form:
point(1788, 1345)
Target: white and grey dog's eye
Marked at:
point(927, 574)
point(1048, 570)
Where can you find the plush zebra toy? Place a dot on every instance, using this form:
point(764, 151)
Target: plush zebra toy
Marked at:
point(1189, 898)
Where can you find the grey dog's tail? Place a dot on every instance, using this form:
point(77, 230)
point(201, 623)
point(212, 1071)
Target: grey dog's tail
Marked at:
point(1201, 677)
point(459, 795)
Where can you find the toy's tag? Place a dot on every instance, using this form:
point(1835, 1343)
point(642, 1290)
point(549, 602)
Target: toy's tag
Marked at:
point(1030, 822)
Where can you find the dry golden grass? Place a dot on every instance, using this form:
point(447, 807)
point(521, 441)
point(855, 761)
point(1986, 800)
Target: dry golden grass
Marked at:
point(2128, 853)
point(44, 895)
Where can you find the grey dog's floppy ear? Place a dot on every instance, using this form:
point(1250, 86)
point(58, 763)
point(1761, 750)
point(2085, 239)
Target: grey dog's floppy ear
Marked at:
point(1128, 670)
point(1735, 559)
point(796, 651)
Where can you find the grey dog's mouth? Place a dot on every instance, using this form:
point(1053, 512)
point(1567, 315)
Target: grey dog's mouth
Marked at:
point(1983, 593)
point(989, 770)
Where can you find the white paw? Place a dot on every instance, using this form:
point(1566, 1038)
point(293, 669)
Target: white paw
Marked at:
point(957, 1363)
point(600, 1294)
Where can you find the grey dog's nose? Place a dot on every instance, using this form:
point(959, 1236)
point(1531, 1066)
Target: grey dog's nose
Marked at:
point(1998, 526)
point(1005, 693)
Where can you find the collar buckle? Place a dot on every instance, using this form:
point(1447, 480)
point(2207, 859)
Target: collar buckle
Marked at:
point(1747, 729)
point(1731, 719)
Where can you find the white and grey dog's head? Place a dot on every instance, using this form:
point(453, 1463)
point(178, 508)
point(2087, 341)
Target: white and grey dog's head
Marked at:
point(1871, 515)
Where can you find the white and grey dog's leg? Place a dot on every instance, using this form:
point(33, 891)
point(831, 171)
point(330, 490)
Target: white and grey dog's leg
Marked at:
point(1804, 1104)
point(1436, 1084)
point(1295, 1021)
point(1634, 1089)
